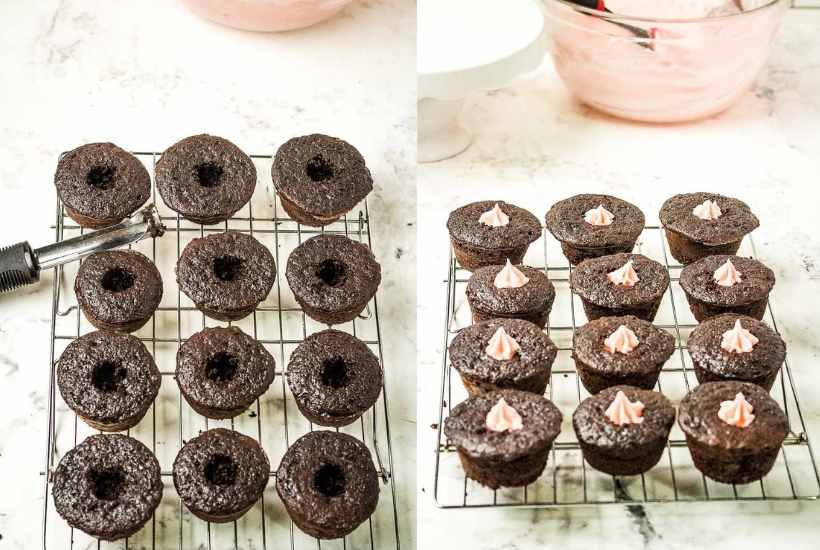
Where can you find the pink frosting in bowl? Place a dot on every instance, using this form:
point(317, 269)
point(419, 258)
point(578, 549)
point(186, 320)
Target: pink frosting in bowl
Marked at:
point(660, 70)
point(267, 15)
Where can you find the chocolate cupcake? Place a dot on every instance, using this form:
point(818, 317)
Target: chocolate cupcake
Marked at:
point(328, 484)
point(613, 351)
point(108, 486)
point(727, 284)
point(503, 354)
point(100, 184)
point(512, 292)
point(490, 233)
point(206, 179)
point(333, 277)
point(620, 284)
point(698, 225)
point(220, 474)
point(222, 371)
point(591, 226)
point(110, 380)
point(118, 290)
point(504, 437)
point(226, 275)
point(623, 430)
point(733, 430)
point(334, 378)
point(319, 178)
point(734, 347)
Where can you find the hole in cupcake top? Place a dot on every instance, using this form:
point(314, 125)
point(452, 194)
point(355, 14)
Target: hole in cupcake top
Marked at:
point(221, 470)
point(226, 268)
point(330, 480)
point(106, 484)
point(101, 177)
point(318, 169)
point(107, 376)
point(117, 279)
point(334, 372)
point(332, 272)
point(221, 367)
point(209, 174)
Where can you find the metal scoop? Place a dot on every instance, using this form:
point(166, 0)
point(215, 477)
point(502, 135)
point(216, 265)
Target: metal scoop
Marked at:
point(21, 265)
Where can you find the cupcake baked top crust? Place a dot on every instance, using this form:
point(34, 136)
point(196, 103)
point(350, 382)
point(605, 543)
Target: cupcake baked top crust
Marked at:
point(589, 280)
point(756, 281)
point(735, 221)
point(469, 357)
point(464, 226)
point(537, 294)
point(655, 346)
point(565, 220)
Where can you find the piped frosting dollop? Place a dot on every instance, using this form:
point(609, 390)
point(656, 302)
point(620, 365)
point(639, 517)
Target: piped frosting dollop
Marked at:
point(510, 277)
point(623, 340)
point(727, 275)
point(707, 210)
point(495, 217)
point(737, 412)
point(625, 275)
point(623, 411)
point(599, 216)
point(738, 339)
point(502, 346)
point(502, 417)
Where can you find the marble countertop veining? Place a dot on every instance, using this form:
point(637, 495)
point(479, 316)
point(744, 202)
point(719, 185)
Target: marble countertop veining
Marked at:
point(534, 145)
point(145, 74)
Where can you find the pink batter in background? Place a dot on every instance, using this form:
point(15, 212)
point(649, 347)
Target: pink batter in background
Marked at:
point(267, 15)
point(662, 61)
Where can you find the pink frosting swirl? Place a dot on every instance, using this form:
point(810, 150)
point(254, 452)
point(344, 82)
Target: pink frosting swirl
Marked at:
point(624, 275)
point(737, 412)
point(727, 275)
point(623, 411)
point(503, 417)
point(502, 346)
point(738, 339)
point(510, 277)
point(623, 340)
point(599, 216)
point(495, 217)
point(707, 210)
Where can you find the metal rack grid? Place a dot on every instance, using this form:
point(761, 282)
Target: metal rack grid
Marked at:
point(567, 479)
point(280, 325)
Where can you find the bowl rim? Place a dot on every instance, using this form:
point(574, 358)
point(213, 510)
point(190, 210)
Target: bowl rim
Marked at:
point(631, 18)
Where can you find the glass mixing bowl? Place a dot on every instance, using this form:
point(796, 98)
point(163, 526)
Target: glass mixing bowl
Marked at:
point(657, 70)
point(267, 15)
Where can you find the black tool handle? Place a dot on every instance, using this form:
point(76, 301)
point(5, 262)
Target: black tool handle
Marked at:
point(18, 267)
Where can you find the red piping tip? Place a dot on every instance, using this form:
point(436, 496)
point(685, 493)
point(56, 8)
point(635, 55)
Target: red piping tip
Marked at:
point(600, 6)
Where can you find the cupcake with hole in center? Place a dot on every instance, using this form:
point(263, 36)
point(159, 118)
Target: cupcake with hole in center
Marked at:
point(623, 430)
point(613, 351)
point(504, 437)
point(734, 347)
point(620, 284)
point(727, 284)
point(591, 226)
point(510, 292)
point(490, 233)
point(503, 354)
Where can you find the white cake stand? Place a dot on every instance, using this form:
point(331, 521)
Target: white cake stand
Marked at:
point(466, 46)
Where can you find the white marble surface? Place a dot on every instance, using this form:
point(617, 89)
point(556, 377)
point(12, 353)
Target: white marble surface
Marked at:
point(534, 145)
point(145, 74)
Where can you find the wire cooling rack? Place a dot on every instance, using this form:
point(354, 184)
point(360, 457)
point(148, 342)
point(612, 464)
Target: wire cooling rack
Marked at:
point(567, 479)
point(280, 325)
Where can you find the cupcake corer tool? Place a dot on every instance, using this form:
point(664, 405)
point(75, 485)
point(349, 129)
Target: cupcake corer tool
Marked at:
point(21, 265)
